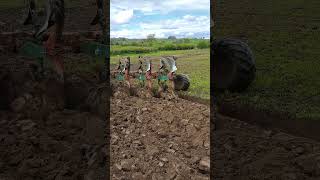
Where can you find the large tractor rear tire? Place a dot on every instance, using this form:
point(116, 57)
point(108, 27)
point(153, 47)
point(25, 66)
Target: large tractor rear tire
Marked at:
point(233, 65)
point(181, 82)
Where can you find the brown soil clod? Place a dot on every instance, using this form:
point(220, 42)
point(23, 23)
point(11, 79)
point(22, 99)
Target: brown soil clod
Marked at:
point(149, 138)
point(49, 128)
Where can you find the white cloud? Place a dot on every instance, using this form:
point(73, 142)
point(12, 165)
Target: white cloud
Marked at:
point(122, 12)
point(121, 16)
point(163, 6)
point(186, 26)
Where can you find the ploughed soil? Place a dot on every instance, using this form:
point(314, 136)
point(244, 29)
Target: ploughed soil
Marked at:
point(50, 129)
point(244, 151)
point(153, 138)
point(54, 130)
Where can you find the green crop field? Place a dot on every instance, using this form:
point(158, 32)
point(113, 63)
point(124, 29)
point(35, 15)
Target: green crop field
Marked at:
point(284, 36)
point(194, 62)
point(121, 46)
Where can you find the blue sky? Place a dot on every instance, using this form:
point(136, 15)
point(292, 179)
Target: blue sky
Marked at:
point(180, 18)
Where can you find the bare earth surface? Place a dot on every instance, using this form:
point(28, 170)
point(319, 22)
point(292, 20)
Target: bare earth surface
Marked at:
point(169, 139)
point(154, 138)
point(50, 130)
point(43, 134)
point(243, 151)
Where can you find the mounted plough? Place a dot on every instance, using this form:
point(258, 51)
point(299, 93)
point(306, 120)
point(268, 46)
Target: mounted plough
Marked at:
point(46, 46)
point(165, 75)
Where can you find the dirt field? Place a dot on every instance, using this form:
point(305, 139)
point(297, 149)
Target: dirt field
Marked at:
point(154, 138)
point(49, 129)
point(150, 141)
point(243, 151)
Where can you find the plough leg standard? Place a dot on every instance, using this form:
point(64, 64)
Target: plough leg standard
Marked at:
point(45, 45)
point(165, 75)
point(55, 15)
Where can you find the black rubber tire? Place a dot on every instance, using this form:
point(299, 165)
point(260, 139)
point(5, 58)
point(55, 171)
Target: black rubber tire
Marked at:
point(181, 82)
point(233, 65)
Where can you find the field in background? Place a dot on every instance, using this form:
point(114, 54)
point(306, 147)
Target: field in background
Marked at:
point(121, 46)
point(284, 36)
point(194, 62)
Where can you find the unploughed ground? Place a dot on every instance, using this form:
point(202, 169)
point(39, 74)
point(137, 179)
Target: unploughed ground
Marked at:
point(284, 37)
